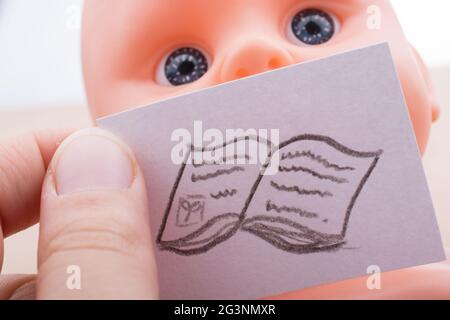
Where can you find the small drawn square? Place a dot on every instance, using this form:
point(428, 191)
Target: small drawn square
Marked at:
point(190, 211)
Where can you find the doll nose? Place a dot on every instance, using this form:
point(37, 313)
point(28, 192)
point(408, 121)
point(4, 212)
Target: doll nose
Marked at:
point(252, 58)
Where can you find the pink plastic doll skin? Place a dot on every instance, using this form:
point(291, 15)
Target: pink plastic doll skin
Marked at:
point(131, 49)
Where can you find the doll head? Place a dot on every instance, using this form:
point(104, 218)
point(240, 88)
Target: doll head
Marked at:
point(139, 51)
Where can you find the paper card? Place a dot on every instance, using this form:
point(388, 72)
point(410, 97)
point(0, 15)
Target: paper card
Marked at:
point(323, 181)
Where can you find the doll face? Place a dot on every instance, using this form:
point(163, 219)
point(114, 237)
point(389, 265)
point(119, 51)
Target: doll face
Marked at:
point(139, 51)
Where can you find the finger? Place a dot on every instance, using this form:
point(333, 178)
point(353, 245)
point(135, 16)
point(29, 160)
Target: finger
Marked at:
point(95, 222)
point(17, 287)
point(23, 162)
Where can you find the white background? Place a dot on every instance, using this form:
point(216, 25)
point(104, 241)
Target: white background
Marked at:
point(39, 47)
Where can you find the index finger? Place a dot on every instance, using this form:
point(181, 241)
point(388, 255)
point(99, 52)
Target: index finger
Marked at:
point(23, 163)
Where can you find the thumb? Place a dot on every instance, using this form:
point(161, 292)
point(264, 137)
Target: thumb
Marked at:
point(95, 240)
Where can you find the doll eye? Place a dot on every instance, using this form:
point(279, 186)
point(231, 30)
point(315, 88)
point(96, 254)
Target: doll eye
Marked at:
point(185, 65)
point(313, 26)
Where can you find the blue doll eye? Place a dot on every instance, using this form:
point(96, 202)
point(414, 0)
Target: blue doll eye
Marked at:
point(185, 65)
point(313, 26)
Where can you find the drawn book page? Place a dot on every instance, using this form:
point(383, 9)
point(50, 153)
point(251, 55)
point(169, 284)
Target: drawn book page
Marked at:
point(210, 194)
point(307, 205)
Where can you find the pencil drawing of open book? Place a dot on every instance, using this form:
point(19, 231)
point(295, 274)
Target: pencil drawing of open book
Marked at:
point(304, 207)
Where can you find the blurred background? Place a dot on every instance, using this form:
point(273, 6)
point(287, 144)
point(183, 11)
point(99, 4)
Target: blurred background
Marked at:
point(41, 86)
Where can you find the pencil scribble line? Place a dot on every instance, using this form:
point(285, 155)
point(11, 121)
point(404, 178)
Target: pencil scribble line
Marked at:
point(309, 154)
point(222, 161)
point(313, 173)
point(187, 225)
point(195, 196)
point(303, 213)
point(296, 189)
point(225, 228)
point(224, 194)
point(262, 227)
point(216, 174)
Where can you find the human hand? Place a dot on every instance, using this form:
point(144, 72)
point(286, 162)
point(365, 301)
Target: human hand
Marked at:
point(89, 197)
